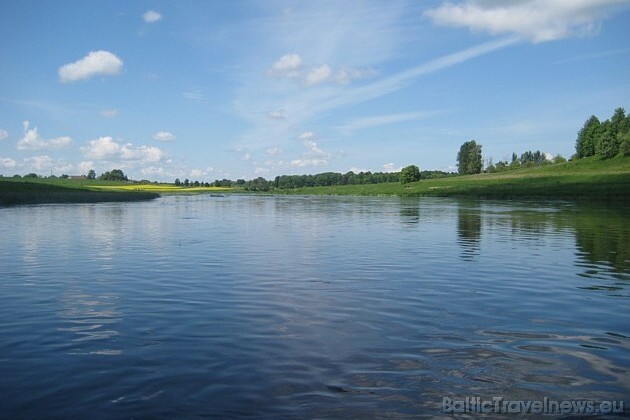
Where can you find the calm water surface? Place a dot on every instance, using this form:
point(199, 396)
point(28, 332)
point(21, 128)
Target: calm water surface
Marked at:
point(297, 307)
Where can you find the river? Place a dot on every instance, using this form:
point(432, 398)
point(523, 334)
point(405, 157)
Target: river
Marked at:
point(198, 306)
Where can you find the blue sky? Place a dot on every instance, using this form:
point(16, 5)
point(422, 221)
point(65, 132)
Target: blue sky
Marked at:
point(239, 89)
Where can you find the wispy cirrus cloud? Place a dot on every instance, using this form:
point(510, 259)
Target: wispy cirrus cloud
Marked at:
point(108, 113)
point(377, 120)
point(534, 20)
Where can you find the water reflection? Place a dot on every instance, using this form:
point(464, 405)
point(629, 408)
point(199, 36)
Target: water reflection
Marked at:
point(469, 231)
point(602, 236)
point(309, 306)
point(409, 211)
point(91, 320)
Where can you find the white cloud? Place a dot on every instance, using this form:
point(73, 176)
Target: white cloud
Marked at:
point(163, 136)
point(313, 149)
point(273, 151)
point(151, 16)
point(276, 115)
point(287, 66)
point(33, 141)
point(7, 163)
point(105, 148)
point(196, 173)
point(108, 113)
point(302, 162)
point(318, 75)
point(101, 148)
point(314, 156)
point(95, 63)
point(535, 20)
point(376, 120)
point(85, 166)
point(38, 163)
point(290, 66)
point(346, 75)
point(194, 95)
point(358, 170)
point(390, 167)
point(3, 134)
point(306, 135)
point(247, 156)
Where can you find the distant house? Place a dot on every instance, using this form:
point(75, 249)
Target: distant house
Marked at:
point(77, 177)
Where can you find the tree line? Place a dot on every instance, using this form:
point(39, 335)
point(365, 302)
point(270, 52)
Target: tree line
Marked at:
point(284, 182)
point(604, 139)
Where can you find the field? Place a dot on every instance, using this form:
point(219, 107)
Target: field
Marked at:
point(585, 179)
point(160, 188)
point(15, 191)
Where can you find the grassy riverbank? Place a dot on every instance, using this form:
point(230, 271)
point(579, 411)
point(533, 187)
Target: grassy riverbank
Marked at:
point(23, 192)
point(14, 191)
point(584, 179)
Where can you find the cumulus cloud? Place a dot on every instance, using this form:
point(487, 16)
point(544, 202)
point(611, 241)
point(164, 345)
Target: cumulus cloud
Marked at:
point(314, 156)
point(390, 167)
point(290, 66)
point(163, 136)
point(108, 113)
point(318, 75)
point(7, 163)
point(358, 170)
point(151, 16)
point(287, 66)
point(40, 164)
point(105, 148)
point(3, 134)
point(306, 135)
point(33, 141)
point(535, 20)
point(85, 166)
point(95, 63)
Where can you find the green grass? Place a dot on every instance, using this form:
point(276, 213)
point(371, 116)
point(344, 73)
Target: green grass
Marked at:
point(161, 188)
point(585, 179)
point(15, 191)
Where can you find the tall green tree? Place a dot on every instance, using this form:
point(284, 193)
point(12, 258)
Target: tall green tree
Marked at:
point(91, 174)
point(114, 175)
point(588, 137)
point(607, 145)
point(409, 173)
point(469, 160)
point(618, 122)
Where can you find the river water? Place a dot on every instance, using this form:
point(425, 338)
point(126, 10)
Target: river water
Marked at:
point(299, 307)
